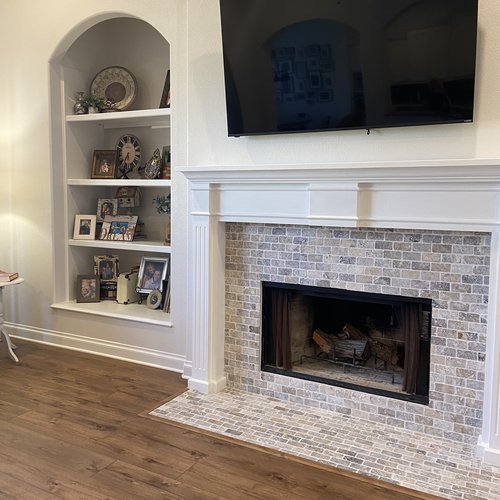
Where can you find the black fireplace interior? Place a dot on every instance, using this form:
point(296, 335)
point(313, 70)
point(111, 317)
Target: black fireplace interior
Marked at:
point(369, 342)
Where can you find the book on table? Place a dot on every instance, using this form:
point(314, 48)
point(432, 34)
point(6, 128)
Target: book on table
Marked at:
point(6, 276)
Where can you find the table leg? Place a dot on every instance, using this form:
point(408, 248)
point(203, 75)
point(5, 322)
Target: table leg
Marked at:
point(10, 345)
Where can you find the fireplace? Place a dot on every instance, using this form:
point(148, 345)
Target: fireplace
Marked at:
point(375, 343)
point(409, 228)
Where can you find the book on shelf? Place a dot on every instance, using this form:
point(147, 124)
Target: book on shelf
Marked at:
point(6, 276)
point(166, 301)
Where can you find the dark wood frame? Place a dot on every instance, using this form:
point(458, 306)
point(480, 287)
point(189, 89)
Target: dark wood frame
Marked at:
point(100, 155)
point(165, 96)
point(94, 297)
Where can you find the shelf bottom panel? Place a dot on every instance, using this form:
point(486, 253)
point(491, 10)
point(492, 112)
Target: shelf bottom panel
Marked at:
point(108, 308)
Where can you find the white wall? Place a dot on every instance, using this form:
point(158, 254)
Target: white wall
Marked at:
point(32, 30)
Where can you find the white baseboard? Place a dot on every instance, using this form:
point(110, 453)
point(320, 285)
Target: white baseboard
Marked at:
point(125, 352)
point(207, 387)
point(187, 370)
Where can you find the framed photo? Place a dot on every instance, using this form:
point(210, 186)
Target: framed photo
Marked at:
point(87, 288)
point(84, 227)
point(106, 267)
point(165, 96)
point(106, 206)
point(118, 227)
point(152, 274)
point(104, 164)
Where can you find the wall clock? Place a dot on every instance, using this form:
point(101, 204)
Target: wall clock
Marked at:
point(129, 154)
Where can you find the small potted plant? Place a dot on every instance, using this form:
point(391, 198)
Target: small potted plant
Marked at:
point(162, 204)
point(92, 103)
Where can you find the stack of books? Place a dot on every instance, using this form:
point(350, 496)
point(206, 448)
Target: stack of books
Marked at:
point(6, 276)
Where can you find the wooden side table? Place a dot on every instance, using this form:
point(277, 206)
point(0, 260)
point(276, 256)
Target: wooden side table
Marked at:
point(10, 345)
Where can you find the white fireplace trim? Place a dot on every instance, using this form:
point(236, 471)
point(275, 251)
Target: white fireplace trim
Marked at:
point(440, 194)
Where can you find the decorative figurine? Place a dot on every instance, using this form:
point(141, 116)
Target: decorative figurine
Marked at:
point(79, 108)
point(153, 166)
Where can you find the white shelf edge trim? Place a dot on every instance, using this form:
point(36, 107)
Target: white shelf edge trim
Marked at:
point(110, 309)
point(132, 246)
point(120, 182)
point(117, 116)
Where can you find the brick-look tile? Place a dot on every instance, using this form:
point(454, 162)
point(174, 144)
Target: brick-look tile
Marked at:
point(451, 268)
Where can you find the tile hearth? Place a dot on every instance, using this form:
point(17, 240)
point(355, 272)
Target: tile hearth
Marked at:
point(411, 459)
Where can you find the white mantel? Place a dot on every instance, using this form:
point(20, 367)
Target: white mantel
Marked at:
point(433, 194)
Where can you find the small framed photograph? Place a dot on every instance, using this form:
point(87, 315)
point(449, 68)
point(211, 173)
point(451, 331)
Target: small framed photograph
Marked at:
point(84, 227)
point(106, 267)
point(165, 95)
point(152, 274)
point(88, 288)
point(118, 227)
point(104, 164)
point(106, 206)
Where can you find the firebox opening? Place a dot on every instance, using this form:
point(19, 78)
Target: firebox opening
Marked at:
point(374, 343)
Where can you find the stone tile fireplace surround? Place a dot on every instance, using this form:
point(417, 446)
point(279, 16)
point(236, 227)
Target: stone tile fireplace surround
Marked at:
point(449, 267)
point(427, 229)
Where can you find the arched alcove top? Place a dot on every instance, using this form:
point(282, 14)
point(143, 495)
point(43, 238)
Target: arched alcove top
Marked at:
point(113, 40)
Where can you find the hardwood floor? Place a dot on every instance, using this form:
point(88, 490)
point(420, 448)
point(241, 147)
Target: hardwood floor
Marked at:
point(74, 426)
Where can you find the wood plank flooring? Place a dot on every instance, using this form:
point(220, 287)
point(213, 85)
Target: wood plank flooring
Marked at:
point(74, 426)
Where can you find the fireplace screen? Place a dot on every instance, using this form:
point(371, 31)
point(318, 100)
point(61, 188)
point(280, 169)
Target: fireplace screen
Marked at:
point(375, 343)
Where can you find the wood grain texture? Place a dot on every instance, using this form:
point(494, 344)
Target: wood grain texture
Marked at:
point(75, 426)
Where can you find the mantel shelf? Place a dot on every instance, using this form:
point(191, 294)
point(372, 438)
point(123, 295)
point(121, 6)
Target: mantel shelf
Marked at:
point(121, 119)
point(134, 246)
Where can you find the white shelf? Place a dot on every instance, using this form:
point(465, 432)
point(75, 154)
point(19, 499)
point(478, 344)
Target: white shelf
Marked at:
point(120, 182)
point(133, 246)
point(155, 118)
point(111, 309)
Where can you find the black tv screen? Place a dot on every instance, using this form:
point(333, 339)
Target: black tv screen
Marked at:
point(319, 65)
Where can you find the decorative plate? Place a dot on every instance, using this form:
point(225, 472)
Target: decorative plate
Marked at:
point(117, 84)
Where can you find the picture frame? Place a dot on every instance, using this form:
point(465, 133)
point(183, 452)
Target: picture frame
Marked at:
point(153, 273)
point(165, 95)
point(106, 267)
point(88, 288)
point(106, 206)
point(166, 166)
point(118, 228)
point(104, 164)
point(85, 226)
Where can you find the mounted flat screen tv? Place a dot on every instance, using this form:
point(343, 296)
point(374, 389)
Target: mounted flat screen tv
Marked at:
point(320, 65)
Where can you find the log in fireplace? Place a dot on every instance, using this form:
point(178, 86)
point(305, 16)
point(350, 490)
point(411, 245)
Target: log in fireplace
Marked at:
point(369, 342)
